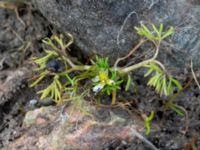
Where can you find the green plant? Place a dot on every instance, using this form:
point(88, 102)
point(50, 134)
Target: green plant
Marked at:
point(54, 90)
point(41, 62)
point(61, 83)
point(104, 78)
point(176, 108)
point(163, 83)
point(155, 34)
point(147, 122)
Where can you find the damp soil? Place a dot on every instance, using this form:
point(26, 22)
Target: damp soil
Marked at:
point(18, 43)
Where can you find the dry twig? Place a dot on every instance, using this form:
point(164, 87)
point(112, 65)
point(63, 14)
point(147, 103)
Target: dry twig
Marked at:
point(194, 75)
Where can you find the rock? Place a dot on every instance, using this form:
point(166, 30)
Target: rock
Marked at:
point(51, 128)
point(11, 82)
point(17, 44)
point(96, 25)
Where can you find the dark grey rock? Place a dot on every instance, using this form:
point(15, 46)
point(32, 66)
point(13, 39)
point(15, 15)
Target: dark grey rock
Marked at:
point(96, 25)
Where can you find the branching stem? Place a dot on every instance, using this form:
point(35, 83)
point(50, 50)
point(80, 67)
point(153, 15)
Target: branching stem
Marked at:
point(143, 63)
point(126, 69)
point(130, 53)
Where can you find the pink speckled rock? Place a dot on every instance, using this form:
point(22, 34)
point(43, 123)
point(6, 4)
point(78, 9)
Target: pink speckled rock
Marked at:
point(49, 129)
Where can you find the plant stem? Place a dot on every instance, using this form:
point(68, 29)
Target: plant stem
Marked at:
point(160, 64)
point(84, 67)
point(141, 64)
point(70, 62)
point(114, 93)
point(130, 53)
point(71, 41)
point(78, 68)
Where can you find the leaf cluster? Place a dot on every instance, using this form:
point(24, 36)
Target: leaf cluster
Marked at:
point(155, 33)
point(59, 81)
point(58, 42)
point(163, 83)
point(53, 90)
point(41, 62)
point(101, 63)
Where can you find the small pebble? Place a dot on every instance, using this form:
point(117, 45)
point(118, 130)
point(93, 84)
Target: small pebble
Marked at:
point(33, 102)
